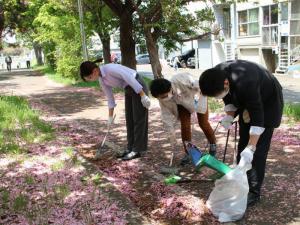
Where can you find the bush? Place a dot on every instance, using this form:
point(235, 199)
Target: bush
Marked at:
point(292, 111)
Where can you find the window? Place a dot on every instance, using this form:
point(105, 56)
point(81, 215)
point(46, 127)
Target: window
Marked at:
point(248, 22)
point(274, 14)
point(270, 25)
point(270, 14)
point(295, 27)
point(295, 9)
point(284, 11)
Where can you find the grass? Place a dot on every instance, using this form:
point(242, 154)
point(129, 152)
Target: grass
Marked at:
point(58, 165)
point(20, 125)
point(51, 73)
point(292, 111)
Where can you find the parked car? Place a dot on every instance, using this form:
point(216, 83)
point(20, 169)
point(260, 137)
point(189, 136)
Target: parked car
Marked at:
point(185, 56)
point(142, 59)
point(191, 62)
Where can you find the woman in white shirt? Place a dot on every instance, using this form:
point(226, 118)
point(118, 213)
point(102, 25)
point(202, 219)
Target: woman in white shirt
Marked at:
point(178, 99)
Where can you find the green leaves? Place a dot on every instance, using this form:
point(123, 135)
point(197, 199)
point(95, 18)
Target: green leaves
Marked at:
point(58, 31)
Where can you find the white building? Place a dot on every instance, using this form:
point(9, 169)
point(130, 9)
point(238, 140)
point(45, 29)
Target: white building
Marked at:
point(260, 31)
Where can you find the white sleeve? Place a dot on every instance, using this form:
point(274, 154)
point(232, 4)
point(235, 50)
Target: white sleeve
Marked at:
point(254, 130)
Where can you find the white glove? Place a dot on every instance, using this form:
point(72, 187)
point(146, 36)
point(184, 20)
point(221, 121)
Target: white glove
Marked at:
point(247, 155)
point(110, 120)
point(146, 101)
point(226, 122)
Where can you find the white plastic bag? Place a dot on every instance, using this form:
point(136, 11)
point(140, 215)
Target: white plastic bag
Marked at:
point(228, 200)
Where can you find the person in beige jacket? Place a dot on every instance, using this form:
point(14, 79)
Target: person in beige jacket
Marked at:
point(178, 99)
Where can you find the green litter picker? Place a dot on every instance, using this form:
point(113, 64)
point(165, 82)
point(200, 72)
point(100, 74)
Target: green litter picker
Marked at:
point(201, 159)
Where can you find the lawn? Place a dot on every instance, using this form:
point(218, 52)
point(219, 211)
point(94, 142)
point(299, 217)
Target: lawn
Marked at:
point(20, 125)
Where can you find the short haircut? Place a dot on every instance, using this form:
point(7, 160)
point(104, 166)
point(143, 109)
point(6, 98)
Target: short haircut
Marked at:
point(86, 69)
point(211, 82)
point(159, 86)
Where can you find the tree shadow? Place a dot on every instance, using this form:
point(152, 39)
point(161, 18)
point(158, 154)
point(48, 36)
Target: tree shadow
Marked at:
point(68, 101)
point(278, 189)
point(157, 156)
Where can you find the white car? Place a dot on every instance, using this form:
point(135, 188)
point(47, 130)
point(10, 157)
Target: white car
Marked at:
point(142, 59)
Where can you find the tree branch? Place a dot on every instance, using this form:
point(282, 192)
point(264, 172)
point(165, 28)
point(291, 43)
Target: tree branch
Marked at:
point(155, 9)
point(201, 36)
point(115, 5)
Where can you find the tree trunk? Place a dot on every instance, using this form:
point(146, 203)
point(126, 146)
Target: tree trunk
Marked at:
point(1, 24)
point(38, 53)
point(127, 43)
point(153, 54)
point(106, 47)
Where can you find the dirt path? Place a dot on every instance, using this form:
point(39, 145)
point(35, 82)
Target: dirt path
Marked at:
point(139, 179)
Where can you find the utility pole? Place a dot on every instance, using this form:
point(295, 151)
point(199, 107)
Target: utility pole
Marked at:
point(84, 49)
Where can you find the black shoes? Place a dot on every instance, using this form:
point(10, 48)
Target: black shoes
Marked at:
point(252, 199)
point(131, 155)
point(121, 155)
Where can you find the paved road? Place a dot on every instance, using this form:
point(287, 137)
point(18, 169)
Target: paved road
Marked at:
point(291, 85)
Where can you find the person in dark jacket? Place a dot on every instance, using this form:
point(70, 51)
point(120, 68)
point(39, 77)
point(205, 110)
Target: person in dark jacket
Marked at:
point(8, 62)
point(255, 95)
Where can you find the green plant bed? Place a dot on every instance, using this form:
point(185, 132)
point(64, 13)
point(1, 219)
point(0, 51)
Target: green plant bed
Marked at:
point(20, 125)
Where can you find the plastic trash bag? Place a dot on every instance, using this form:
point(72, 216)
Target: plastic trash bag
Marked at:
point(228, 200)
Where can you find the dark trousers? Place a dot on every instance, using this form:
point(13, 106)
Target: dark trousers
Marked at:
point(257, 173)
point(136, 119)
point(185, 121)
point(28, 64)
point(8, 66)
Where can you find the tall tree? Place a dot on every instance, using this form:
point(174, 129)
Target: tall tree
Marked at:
point(124, 10)
point(100, 18)
point(28, 32)
point(11, 14)
point(1, 23)
point(165, 20)
point(58, 31)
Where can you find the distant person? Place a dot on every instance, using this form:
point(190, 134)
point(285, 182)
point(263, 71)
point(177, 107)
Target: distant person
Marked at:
point(28, 61)
point(8, 62)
